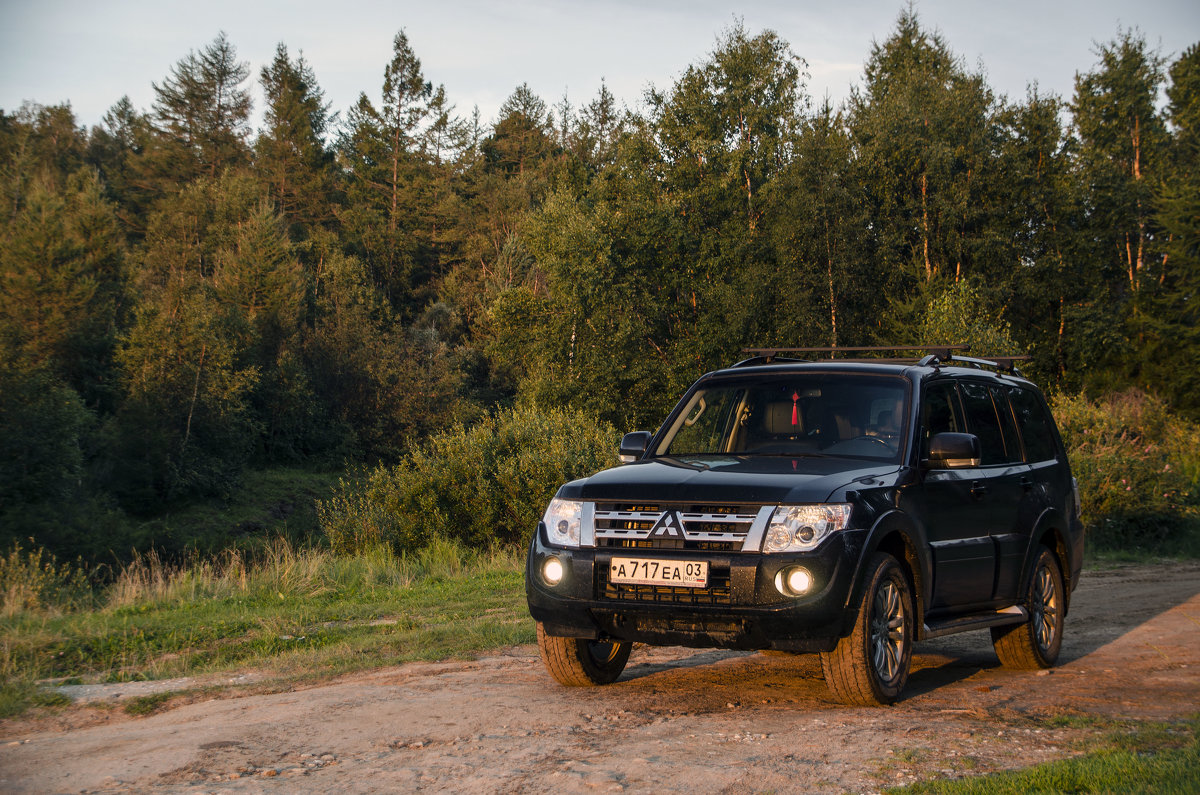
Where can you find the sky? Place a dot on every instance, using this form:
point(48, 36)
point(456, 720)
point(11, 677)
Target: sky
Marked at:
point(90, 53)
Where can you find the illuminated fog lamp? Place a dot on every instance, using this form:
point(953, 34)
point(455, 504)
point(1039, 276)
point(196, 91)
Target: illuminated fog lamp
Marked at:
point(552, 571)
point(795, 581)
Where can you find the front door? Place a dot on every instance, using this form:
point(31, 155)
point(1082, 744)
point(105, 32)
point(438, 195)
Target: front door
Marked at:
point(958, 504)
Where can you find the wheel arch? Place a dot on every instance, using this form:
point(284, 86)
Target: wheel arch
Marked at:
point(895, 534)
point(1048, 533)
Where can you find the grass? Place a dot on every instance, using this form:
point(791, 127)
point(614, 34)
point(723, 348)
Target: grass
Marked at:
point(269, 503)
point(147, 705)
point(1136, 758)
point(295, 612)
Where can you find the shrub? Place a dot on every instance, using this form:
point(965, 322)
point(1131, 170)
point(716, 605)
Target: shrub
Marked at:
point(35, 581)
point(481, 486)
point(1137, 465)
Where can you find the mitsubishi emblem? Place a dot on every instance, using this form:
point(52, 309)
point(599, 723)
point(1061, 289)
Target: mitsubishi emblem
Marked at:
point(667, 526)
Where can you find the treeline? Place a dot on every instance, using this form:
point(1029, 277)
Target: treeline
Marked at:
point(183, 297)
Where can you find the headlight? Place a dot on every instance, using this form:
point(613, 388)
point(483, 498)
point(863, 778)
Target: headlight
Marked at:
point(562, 522)
point(800, 528)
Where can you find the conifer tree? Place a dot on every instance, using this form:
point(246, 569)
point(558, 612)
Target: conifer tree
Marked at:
point(381, 150)
point(200, 116)
point(290, 152)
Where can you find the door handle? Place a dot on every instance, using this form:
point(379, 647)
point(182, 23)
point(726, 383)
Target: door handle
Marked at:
point(978, 489)
point(1026, 484)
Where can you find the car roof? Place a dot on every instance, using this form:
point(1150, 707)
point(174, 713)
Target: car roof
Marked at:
point(913, 371)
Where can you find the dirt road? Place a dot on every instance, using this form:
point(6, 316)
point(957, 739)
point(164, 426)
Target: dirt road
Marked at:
point(678, 720)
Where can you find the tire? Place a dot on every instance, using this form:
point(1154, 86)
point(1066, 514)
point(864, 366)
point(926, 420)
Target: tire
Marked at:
point(870, 666)
point(1036, 643)
point(577, 662)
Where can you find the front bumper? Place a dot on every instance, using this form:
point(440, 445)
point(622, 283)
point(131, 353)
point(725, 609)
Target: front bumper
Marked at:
point(741, 610)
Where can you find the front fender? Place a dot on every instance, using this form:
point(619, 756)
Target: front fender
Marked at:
point(894, 532)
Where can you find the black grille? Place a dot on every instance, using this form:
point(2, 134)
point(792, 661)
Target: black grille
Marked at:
point(717, 593)
point(633, 543)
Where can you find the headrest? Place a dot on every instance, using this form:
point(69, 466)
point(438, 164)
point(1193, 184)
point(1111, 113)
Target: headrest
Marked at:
point(777, 419)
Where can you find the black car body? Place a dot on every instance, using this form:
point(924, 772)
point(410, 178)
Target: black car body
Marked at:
point(778, 500)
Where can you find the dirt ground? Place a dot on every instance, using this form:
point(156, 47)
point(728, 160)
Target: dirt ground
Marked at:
point(678, 720)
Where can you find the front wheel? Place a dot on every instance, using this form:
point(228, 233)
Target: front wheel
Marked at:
point(870, 666)
point(1036, 643)
point(578, 662)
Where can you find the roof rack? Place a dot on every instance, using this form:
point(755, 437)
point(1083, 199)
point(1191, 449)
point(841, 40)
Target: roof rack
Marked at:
point(937, 355)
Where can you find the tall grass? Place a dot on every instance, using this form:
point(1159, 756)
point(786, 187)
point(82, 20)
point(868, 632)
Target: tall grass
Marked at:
point(285, 570)
point(291, 609)
point(34, 580)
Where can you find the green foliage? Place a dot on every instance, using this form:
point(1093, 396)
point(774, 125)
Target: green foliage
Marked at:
point(43, 425)
point(201, 112)
point(34, 581)
point(483, 486)
point(290, 153)
point(195, 299)
point(959, 316)
point(1138, 471)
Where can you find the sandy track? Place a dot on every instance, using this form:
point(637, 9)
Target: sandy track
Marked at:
point(678, 720)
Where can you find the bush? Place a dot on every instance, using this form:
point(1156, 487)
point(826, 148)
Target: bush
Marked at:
point(35, 581)
point(482, 486)
point(1137, 465)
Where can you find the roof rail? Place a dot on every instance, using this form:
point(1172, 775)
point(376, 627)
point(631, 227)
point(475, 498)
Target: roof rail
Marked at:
point(769, 354)
point(1005, 364)
point(938, 355)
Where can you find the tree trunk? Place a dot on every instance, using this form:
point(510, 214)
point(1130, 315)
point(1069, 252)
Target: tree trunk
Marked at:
point(925, 228)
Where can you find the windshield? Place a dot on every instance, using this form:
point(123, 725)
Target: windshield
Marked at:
point(793, 414)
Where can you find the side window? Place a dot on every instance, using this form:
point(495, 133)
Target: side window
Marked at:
point(707, 424)
point(1036, 430)
point(940, 413)
point(1012, 443)
point(984, 421)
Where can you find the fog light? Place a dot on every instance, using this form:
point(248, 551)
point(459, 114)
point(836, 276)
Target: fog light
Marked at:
point(799, 580)
point(795, 581)
point(552, 571)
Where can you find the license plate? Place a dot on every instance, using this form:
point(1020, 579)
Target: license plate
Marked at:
point(647, 571)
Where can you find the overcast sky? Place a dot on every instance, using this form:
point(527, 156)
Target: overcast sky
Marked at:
point(91, 52)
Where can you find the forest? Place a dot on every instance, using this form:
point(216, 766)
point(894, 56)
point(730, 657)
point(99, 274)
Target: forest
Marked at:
point(185, 299)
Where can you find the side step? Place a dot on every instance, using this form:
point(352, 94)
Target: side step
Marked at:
point(1009, 615)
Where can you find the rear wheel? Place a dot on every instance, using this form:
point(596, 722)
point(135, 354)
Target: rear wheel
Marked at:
point(1036, 643)
point(870, 666)
point(578, 662)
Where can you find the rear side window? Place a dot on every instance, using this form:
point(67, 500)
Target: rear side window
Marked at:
point(1037, 432)
point(987, 423)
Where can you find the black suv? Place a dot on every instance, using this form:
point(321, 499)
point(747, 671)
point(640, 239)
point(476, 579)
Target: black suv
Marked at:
point(842, 507)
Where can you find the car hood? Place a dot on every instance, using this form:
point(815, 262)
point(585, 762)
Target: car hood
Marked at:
point(733, 479)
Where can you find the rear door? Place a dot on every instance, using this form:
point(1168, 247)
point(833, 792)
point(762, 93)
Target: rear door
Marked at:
point(1002, 480)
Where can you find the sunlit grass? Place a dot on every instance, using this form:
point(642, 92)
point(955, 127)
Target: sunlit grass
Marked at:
point(290, 611)
point(1139, 758)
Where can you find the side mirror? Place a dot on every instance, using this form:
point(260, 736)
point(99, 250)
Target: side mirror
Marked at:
point(953, 451)
point(633, 446)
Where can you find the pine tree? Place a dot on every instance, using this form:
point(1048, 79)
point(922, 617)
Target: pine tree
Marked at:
point(388, 174)
point(200, 117)
point(290, 152)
